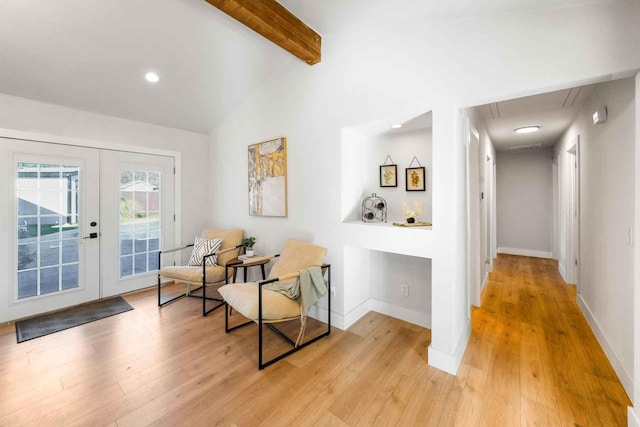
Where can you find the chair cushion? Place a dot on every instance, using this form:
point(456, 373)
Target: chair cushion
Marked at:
point(203, 247)
point(230, 238)
point(243, 297)
point(194, 274)
point(295, 256)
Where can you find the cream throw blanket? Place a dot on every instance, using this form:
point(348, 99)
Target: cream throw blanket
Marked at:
point(307, 289)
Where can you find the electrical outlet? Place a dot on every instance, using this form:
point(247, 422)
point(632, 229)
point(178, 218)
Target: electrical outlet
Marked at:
point(333, 292)
point(630, 236)
point(404, 290)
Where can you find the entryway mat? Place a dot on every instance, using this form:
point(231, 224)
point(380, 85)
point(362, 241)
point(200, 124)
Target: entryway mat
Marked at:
point(69, 318)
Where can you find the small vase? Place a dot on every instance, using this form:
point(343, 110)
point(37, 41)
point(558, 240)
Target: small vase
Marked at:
point(411, 220)
point(249, 252)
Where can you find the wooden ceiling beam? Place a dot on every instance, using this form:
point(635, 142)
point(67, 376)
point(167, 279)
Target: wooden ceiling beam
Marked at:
point(274, 22)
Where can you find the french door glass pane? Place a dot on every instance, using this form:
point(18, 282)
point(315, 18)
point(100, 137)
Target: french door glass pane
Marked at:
point(139, 221)
point(48, 213)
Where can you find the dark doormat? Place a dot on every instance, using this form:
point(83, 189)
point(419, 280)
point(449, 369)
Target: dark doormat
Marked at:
point(69, 318)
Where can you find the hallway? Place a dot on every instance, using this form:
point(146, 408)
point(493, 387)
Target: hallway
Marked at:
point(532, 359)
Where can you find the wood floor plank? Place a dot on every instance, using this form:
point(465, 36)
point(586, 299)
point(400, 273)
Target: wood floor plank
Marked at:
point(531, 360)
point(473, 382)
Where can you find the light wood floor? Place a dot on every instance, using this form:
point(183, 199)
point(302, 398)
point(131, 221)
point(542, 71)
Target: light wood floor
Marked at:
point(531, 360)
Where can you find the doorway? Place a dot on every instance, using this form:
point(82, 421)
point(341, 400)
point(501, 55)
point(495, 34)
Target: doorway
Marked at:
point(473, 216)
point(77, 223)
point(573, 213)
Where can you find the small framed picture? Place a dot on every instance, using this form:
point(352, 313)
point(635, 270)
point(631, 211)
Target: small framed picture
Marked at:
point(415, 179)
point(389, 176)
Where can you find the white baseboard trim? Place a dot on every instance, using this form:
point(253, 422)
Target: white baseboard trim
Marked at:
point(633, 416)
point(485, 282)
point(320, 313)
point(625, 378)
point(392, 310)
point(357, 313)
point(525, 252)
point(344, 321)
point(450, 362)
point(563, 272)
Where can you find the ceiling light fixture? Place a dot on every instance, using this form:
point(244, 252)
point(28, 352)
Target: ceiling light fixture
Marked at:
point(152, 77)
point(528, 129)
point(396, 126)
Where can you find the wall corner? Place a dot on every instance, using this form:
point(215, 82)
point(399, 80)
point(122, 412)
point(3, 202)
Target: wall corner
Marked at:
point(450, 362)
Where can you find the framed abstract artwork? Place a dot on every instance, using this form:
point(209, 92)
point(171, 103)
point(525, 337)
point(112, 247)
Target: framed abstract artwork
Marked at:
point(267, 163)
point(415, 179)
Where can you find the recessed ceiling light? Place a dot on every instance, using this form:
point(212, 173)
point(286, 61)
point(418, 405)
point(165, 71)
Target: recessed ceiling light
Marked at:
point(528, 129)
point(152, 77)
point(396, 126)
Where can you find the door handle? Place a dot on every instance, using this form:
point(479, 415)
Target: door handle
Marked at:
point(91, 236)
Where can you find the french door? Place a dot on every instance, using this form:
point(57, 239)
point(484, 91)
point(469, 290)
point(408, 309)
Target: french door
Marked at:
point(139, 223)
point(78, 224)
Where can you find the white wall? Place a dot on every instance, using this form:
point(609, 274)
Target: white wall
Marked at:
point(634, 414)
point(406, 70)
point(356, 173)
point(388, 273)
point(607, 191)
point(525, 202)
point(32, 116)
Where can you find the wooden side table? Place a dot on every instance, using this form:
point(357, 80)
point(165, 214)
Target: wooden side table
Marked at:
point(245, 265)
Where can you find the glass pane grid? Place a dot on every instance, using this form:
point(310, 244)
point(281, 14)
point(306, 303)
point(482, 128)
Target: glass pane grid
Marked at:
point(139, 221)
point(48, 212)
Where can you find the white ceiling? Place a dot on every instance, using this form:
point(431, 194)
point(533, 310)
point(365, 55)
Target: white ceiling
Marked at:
point(337, 16)
point(92, 55)
point(553, 112)
point(422, 122)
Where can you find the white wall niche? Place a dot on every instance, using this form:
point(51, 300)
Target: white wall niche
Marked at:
point(377, 278)
point(380, 257)
point(365, 148)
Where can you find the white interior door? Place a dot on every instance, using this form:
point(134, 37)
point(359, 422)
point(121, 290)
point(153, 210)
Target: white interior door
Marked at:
point(49, 255)
point(137, 218)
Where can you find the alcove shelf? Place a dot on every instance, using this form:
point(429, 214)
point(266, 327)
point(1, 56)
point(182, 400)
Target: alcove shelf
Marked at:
point(385, 237)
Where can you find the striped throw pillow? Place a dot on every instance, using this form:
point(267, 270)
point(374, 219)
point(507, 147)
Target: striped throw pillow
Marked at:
point(202, 247)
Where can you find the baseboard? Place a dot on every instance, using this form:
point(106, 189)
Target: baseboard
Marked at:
point(485, 282)
point(355, 314)
point(344, 321)
point(634, 417)
point(408, 315)
point(563, 272)
point(320, 314)
point(450, 362)
point(625, 378)
point(525, 252)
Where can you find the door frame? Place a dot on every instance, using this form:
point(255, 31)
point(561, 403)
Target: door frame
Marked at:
point(88, 143)
point(111, 164)
point(572, 260)
point(474, 261)
point(88, 262)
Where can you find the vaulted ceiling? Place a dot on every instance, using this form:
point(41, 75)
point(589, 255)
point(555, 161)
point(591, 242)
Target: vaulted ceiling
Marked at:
point(92, 55)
